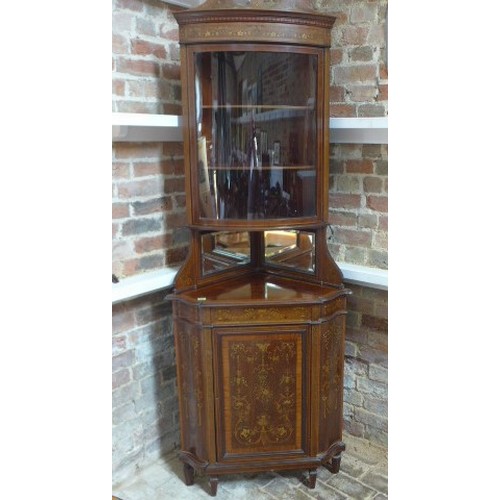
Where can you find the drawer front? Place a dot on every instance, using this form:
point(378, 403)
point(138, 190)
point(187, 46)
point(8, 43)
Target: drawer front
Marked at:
point(261, 391)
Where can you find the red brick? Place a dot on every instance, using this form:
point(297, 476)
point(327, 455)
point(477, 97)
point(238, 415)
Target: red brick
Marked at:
point(146, 245)
point(171, 71)
point(337, 94)
point(119, 87)
point(120, 170)
point(141, 169)
point(359, 167)
point(383, 75)
point(363, 93)
point(123, 319)
point(172, 109)
point(174, 185)
point(355, 35)
point(170, 34)
point(151, 206)
point(383, 224)
point(147, 187)
point(148, 262)
point(136, 150)
point(376, 36)
point(378, 203)
point(360, 304)
point(345, 201)
point(120, 378)
point(123, 360)
point(342, 110)
point(119, 343)
point(171, 149)
point(353, 237)
point(144, 48)
point(344, 219)
point(371, 110)
point(144, 88)
point(336, 56)
point(372, 184)
point(137, 67)
point(368, 221)
point(176, 220)
point(356, 335)
point(359, 73)
point(120, 44)
point(374, 323)
point(120, 210)
point(383, 93)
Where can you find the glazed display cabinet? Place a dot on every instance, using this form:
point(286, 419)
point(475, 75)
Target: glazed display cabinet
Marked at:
point(259, 306)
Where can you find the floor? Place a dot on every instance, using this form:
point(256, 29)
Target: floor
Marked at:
point(363, 475)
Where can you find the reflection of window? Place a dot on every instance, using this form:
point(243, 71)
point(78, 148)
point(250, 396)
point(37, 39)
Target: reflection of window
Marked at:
point(224, 250)
point(294, 249)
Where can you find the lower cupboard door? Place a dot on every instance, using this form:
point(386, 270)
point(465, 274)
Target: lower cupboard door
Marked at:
point(261, 392)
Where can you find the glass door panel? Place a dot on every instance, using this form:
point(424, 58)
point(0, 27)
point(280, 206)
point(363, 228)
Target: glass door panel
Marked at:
point(256, 133)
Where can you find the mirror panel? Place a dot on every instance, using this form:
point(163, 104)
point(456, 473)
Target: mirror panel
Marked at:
point(224, 250)
point(291, 249)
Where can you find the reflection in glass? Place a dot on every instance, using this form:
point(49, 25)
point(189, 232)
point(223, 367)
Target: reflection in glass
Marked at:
point(224, 250)
point(256, 133)
point(294, 249)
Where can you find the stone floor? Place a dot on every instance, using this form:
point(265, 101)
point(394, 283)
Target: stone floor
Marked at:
point(363, 475)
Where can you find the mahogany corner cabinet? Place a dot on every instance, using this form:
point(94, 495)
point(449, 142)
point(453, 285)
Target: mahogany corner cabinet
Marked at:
point(259, 305)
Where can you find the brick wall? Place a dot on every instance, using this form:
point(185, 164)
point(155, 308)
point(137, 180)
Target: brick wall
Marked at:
point(358, 204)
point(146, 57)
point(358, 83)
point(149, 209)
point(149, 198)
point(145, 411)
point(366, 365)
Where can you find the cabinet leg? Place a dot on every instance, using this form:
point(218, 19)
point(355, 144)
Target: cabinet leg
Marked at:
point(188, 475)
point(333, 465)
point(311, 480)
point(213, 481)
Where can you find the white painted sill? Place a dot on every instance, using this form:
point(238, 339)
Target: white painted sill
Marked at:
point(144, 127)
point(155, 281)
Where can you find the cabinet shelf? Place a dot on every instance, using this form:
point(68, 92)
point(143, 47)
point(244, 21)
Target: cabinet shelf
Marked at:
point(256, 106)
point(264, 167)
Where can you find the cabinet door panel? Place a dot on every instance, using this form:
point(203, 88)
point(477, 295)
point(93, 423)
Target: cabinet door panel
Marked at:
point(261, 383)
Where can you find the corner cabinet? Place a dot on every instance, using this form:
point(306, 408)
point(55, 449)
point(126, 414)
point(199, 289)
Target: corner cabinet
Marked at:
point(259, 305)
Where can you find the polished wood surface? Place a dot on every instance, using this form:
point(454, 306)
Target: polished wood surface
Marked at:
point(262, 288)
point(259, 306)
